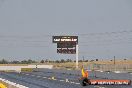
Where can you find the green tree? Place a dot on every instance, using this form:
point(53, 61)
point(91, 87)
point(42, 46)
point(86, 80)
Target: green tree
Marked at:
point(3, 61)
point(15, 62)
point(62, 61)
point(42, 61)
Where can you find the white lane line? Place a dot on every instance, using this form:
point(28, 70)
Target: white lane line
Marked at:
point(72, 82)
point(61, 80)
point(44, 77)
point(77, 83)
point(98, 87)
point(32, 75)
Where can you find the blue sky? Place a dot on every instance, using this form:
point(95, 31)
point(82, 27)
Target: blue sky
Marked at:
point(27, 26)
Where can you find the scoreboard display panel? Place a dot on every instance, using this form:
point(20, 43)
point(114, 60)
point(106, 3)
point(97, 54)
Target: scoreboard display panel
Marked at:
point(65, 44)
point(66, 51)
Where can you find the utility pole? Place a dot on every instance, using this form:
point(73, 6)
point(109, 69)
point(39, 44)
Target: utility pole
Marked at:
point(114, 64)
point(83, 61)
point(77, 56)
point(114, 60)
point(83, 58)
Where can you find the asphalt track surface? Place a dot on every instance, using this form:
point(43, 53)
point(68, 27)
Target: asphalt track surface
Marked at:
point(43, 78)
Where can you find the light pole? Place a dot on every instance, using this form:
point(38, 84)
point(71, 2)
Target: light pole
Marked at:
point(77, 56)
point(114, 64)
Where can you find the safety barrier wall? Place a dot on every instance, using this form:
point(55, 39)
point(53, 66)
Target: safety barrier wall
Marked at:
point(18, 68)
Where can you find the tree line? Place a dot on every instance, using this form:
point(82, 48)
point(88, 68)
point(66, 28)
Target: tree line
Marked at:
point(29, 61)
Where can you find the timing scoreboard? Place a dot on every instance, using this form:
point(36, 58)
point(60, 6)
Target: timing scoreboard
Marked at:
point(65, 44)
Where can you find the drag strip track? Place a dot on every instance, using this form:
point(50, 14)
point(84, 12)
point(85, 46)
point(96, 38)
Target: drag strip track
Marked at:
point(24, 80)
point(46, 79)
point(52, 78)
point(76, 82)
point(37, 81)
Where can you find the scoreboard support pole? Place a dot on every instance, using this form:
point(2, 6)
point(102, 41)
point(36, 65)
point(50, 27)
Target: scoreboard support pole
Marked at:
point(77, 56)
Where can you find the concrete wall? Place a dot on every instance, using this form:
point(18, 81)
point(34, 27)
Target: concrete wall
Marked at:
point(18, 68)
